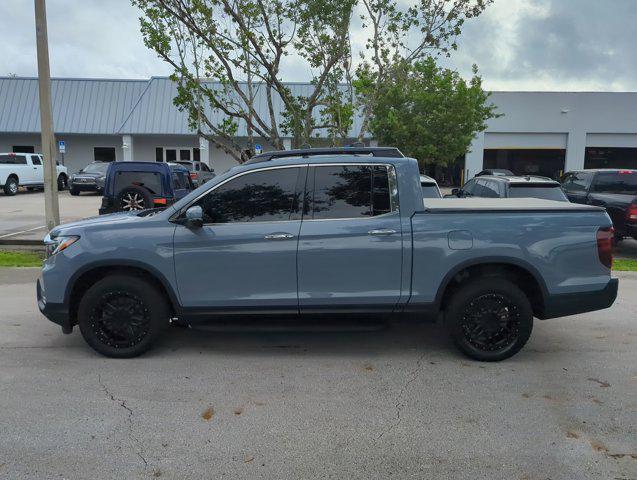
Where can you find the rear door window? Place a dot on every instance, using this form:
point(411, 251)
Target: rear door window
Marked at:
point(13, 160)
point(546, 192)
point(352, 191)
point(622, 182)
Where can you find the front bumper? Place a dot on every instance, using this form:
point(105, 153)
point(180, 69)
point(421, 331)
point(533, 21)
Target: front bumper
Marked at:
point(86, 187)
point(581, 302)
point(56, 312)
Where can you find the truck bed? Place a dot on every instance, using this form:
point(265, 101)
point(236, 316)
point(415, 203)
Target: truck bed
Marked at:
point(468, 205)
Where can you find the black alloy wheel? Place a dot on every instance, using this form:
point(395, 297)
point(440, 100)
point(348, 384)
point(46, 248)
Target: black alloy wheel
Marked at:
point(489, 319)
point(120, 319)
point(122, 315)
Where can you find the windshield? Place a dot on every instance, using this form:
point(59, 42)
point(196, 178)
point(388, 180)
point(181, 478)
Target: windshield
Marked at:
point(546, 192)
point(622, 182)
point(429, 190)
point(96, 168)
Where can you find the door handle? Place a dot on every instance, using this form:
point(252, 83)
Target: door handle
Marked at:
point(382, 231)
point(279, 236)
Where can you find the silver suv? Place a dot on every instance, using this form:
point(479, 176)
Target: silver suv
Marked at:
point(200, 173)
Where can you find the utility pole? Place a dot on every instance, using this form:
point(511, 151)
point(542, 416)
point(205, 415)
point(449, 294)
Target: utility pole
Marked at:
point(51, 205)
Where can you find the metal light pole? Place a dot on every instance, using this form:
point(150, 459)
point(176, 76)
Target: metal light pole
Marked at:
point(51, 205)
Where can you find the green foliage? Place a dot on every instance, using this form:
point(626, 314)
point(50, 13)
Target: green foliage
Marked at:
point(20, 259)
point(430, 112)
point(226, 53)
point(625, 265)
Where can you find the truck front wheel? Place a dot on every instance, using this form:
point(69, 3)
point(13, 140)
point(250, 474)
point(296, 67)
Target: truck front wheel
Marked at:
point(122, 315)
point(489, 319)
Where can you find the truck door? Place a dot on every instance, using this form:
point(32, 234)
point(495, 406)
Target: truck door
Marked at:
point(350, 245)
point(37, 170)
point(243, 259)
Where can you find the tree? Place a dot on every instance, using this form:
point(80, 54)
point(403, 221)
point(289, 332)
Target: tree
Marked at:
point(401, 34)
point(431, 112)
point(226, 52)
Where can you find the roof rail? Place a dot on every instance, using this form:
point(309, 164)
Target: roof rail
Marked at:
point(387, 152)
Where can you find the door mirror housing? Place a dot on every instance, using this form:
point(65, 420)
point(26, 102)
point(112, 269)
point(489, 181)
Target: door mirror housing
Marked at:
point(194, 217)
point(455, 191)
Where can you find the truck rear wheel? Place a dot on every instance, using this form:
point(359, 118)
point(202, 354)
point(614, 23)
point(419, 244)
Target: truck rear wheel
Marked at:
point(122, 315)
point(489, 319)
point(11, 186)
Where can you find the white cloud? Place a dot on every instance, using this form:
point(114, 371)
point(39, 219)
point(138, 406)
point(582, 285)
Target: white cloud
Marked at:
point(518, 44)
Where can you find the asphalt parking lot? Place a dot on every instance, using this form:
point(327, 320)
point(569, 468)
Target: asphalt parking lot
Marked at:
point(22, 216)
point(396, 402)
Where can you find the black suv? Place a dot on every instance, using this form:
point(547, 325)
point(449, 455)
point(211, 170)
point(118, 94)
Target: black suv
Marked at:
point(614, 189)
point(142, 185)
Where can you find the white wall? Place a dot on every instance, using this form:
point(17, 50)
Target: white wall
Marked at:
point(79, 148)
point(582, 117)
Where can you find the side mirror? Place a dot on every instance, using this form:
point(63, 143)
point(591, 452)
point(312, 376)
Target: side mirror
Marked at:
point(455, 191)
point(194, 217)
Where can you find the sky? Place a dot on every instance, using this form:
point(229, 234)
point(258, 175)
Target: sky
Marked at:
point(563, 45)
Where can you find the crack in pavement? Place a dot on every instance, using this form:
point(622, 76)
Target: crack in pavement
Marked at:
point(398, 406)
point(131, 435)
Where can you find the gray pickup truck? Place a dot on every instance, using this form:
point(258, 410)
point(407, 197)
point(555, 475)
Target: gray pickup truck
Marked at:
point(329, 235)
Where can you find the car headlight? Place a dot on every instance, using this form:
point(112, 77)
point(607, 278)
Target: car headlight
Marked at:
point(55, 245)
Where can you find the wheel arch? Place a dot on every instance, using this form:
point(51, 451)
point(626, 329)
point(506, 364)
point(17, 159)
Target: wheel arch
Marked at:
point(520, 272)
point(87, 276)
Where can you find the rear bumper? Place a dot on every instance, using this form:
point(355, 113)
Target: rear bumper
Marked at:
point(56, 312)
point(574, 303)
point(631, 230)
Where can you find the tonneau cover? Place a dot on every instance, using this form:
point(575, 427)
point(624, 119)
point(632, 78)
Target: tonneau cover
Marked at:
point(468, 205)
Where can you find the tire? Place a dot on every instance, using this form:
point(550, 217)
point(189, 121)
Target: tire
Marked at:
point(62, 182)
point(134, 198)
point(102, 316)
point(74, 192)
point(11, 187)
point(476, 319)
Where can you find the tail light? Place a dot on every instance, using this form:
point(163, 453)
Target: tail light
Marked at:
point(631, 213)
point(605, 238)
point(159, 201)
point(193, 175)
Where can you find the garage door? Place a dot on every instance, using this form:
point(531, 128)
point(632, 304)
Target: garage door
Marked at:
point(525, 140)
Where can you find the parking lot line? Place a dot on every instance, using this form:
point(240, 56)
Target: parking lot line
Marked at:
point(22, 231)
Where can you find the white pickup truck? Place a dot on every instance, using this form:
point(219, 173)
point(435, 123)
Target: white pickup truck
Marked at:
point(26, 170)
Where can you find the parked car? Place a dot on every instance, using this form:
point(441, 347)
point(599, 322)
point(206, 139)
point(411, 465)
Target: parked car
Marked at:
point(494, 186)
point(613, 189)
point(328, 235)
point(26, 170)
point(89, 179)
point(133, 186)
point(503, 172)
point(200, 173)
point(429, 187)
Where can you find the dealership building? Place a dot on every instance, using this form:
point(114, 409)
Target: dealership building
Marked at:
point(543, 133)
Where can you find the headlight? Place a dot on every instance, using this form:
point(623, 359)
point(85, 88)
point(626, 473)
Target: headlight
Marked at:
point(57, 244)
